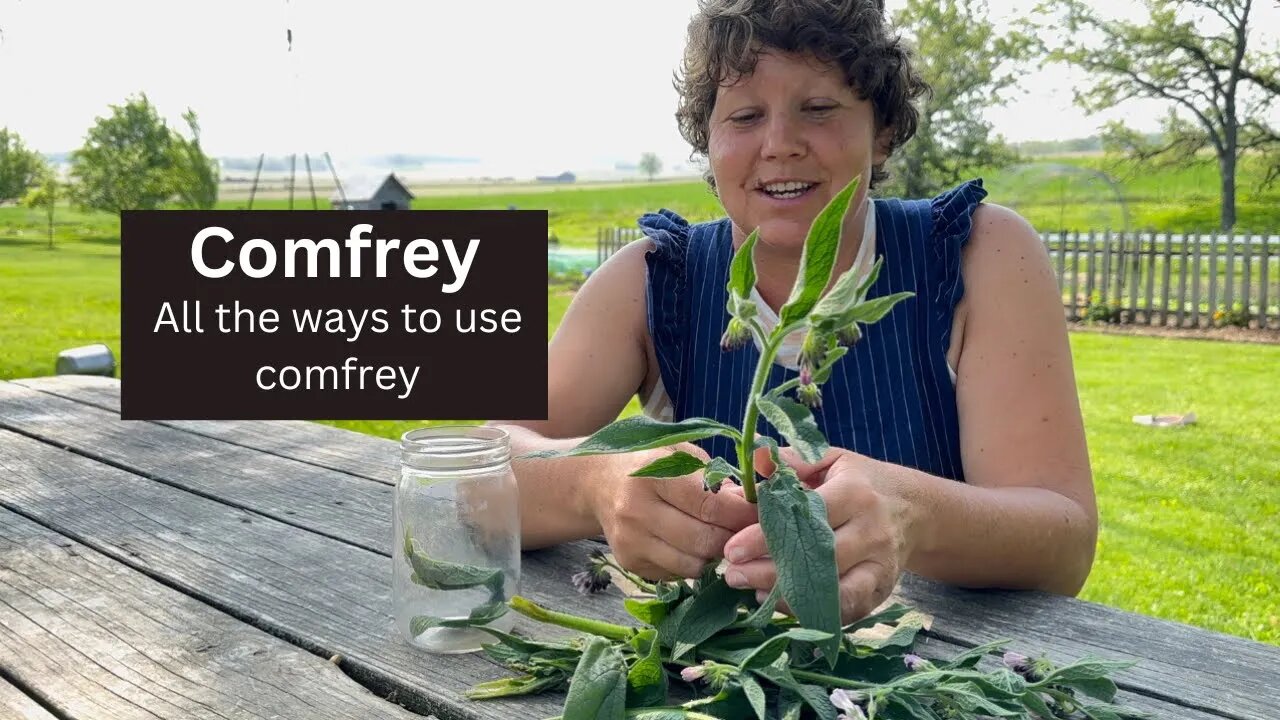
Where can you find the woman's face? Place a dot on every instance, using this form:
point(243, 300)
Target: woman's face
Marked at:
point(783, 141)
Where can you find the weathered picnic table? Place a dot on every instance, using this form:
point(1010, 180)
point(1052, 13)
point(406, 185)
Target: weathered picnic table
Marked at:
point(242, 570)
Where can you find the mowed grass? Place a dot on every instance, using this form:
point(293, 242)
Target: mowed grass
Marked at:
point(1188, 513)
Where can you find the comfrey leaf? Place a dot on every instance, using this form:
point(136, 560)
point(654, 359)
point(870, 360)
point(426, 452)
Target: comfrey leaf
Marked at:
point(796, 424)
point(598, 690)
point(818, 257)
point(761, 616)
point(903, 636)
point(508, 687)
point(742, 271)
point(873, 310)
point(646, 680)
point(802, 544)
point(772, 649)
point(718, 470)
point(713, 609)
point(640, 432)
point(444, 575)
point(677, 464)
point(481, 615)
point(649, 612)
point(755, 695)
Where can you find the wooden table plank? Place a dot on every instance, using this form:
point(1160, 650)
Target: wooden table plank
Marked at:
point(96, 639)
point(17, 705)
point(1219, 675)
point(283, 489)
point(323, 445)
point(316, 591)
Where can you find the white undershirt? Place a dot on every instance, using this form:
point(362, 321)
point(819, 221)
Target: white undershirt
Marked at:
point(659, 405)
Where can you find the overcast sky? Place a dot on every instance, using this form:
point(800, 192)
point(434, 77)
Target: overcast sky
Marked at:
point(528, 86)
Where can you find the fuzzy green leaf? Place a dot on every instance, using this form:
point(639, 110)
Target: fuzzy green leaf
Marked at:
point(906, 706)
point(646, 680)
point(842, 296)
point(817, 698)
point(713, 609)
point(802, 544)
point(755, 695)
point(1103, 689)
point(508, 687)
point(1037, 705)
point(818, 257)
point(1086, 669)
point(742, 271)
point(599, 686)
point(796, 424)
point(718, 470)
point(677, 464)
point(761, 616)
point(873, 310)
point(888, 616)
point(639, 432)
point(970, 658)
point(444, 575)
point(650, 612)
point(482, 615)
point(823, 373)
point(771, 649)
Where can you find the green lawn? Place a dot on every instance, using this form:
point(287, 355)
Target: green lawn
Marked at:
point(1188, 514)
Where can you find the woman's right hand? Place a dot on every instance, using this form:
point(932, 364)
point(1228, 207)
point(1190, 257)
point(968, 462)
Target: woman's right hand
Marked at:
point(660, 528)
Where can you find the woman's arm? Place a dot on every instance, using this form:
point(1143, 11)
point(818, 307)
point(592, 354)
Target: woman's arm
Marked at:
point(1027, 517)
point(597, 360)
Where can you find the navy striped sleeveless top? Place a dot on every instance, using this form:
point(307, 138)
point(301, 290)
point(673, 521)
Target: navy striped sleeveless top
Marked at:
point(891, 397)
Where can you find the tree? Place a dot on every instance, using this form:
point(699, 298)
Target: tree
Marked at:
point(19, 167)
point(127, 160)
point(1193, 54)
point(650, 165)
point(195, 175)
point(45, 195)
point(970, 68)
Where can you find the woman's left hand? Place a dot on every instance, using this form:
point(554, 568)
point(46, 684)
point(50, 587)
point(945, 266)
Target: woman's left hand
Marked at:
point(874, 530)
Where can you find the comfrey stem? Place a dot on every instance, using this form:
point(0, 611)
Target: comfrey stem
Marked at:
point(746, 447)
point(530, 609)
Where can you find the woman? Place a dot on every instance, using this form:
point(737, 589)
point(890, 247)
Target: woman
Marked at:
point(958, 447)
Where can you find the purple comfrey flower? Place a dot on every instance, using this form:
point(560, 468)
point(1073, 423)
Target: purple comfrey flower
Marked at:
point(693, 673)
point(847, 701)
point(596, 577)
point(1029, 669)
point(915, 663)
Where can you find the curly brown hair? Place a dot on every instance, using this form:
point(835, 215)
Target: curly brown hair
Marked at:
point(726, 38)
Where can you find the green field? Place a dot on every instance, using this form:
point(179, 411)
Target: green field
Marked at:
point(1188, 513)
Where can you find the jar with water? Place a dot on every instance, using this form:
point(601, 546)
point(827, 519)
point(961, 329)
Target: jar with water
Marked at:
point(456, 552)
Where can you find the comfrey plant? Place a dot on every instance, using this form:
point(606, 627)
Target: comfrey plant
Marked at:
point(719, 649)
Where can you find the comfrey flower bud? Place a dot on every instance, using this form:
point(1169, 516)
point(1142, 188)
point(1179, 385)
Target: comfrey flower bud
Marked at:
point(809, 394)
point(849, 335)
point(735, 336)
point(813, 349)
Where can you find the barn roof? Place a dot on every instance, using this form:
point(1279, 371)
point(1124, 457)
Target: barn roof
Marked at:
point(365, 188)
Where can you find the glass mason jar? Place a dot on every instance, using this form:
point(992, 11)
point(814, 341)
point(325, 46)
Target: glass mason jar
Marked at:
point(456, 557)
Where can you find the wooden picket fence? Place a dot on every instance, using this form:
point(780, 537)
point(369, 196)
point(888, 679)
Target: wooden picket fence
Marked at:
point(1143, 278)
point(611, 240)
point(1168, 279)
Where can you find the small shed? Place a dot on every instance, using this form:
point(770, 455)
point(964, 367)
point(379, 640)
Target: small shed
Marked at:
point(371, 194)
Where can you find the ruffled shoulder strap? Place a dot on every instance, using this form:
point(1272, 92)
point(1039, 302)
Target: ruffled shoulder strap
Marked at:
point(952, 216)
point(666, 283)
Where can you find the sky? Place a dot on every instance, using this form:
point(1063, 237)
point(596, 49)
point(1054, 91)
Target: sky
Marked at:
point(524, 87)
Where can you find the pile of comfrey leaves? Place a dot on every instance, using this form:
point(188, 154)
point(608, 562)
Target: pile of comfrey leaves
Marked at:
point(702, 649)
